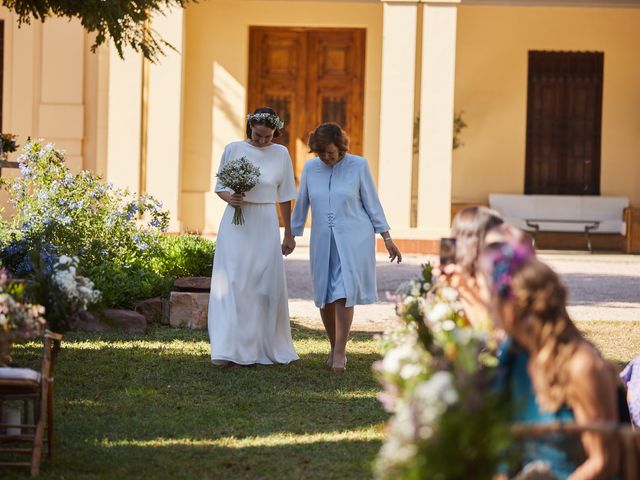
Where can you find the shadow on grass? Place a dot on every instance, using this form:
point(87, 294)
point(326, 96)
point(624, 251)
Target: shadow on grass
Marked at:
point(119, 388)
point(321, 460)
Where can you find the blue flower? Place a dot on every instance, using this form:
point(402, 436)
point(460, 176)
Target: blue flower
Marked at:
point(43, 195)
point(68, 180)
point(24, 168)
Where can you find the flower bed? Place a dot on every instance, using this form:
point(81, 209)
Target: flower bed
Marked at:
point(114, 239)
point(437, 374)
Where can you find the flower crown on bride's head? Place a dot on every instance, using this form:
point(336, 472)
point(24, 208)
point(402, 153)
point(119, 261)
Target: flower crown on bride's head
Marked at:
point(271, 119)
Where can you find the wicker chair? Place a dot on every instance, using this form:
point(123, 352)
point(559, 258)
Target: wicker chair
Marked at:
point(35, 391)
point(629, 439)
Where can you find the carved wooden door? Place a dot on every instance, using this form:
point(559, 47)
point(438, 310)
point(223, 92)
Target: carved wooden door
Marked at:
point(309, 76)
point(564, 115)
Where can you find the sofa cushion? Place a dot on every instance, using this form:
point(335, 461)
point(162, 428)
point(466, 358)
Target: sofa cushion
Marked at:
point(8, 373)
point(517, 209)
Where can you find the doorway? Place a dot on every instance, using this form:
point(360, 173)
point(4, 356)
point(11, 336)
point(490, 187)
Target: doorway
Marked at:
point(309, 76)
point(564, 119)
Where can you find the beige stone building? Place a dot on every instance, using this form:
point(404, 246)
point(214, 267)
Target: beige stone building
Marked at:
point(536, 81)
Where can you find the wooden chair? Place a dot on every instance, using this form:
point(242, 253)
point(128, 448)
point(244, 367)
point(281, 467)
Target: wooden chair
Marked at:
point(35, 391)
point(629, 439)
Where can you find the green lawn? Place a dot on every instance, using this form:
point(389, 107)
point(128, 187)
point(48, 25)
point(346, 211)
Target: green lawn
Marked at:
point(618, 341)
point(154, 407)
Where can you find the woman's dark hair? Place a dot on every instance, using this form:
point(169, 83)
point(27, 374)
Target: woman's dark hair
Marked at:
point(470, 226)
point(267, 122)
point(324, 135)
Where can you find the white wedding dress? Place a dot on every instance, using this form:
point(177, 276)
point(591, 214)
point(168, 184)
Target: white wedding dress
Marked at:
point(248, 303)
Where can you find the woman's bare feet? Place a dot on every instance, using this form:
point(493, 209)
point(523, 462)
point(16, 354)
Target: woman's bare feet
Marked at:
point(339, 367)
point(329, 360)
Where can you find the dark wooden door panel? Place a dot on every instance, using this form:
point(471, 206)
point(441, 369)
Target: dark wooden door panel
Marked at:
point(336, 81)
point(309, 76)
point(277, 78)
point(564, 111)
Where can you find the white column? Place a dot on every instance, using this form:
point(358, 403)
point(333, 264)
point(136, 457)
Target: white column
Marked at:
point(123, 124)
point(164, 134)
point(396, 112)
point(436, 119)
point(61, 106)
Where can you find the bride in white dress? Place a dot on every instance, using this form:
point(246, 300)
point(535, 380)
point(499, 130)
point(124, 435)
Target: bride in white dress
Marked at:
point(248, 304)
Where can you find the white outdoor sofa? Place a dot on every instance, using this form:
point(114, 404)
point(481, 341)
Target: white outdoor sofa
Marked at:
point(562, 213)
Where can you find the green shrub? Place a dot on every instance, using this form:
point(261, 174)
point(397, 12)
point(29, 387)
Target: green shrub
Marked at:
point(79, 215)
point(121, 287)
point(185, 256)
point(116, 236)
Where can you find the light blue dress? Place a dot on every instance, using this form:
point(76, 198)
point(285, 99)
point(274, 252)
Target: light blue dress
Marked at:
point(345, 216)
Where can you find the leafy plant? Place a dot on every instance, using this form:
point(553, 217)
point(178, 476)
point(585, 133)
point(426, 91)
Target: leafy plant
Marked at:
point(458, 125)
point(8, 143)
point(437, 372)
point(121, 287)
point(79, 215)
point(19, 321)
point(57, 285)
point(185, 256)
point(125, 23)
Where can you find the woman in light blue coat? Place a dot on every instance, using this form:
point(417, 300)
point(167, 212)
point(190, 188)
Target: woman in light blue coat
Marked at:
point(345, 216)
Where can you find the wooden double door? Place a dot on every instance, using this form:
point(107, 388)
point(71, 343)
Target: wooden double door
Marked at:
point(564, 117)
point(309, 76)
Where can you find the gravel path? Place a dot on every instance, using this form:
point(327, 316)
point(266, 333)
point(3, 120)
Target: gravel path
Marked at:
point(601, 287)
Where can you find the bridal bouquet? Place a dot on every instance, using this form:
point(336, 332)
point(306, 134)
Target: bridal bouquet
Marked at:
point(239, 175)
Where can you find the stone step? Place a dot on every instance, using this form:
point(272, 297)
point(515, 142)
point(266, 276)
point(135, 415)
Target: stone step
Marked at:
point(113, 320)
point(189, 310)
point(192, 284)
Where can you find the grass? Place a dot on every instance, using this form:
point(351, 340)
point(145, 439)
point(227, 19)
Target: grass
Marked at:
point(154, 407)
point(618, 341)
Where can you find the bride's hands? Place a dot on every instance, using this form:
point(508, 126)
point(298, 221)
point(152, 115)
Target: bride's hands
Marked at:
point(236, 200)
point(288, 244)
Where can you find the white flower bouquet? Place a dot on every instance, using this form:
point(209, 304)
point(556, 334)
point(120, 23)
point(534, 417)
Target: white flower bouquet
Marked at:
point(239, 175)
point(79, 291)
point(437, 375)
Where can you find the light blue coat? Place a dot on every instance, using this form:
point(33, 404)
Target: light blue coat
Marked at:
point(344, 203)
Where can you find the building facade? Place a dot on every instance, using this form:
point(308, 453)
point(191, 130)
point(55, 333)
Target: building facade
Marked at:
point(549, 90)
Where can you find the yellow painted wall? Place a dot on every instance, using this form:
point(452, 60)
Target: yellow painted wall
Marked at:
point(491, 88)
point(44, 87)
point(216, 75)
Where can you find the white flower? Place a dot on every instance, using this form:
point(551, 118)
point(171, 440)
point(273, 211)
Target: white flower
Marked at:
point(415, 290)
point(411, 370)
point(439, 312)
point(449, 294)
point(396, 358)
point(448, 325)
point(65, 260)
point(79, 290)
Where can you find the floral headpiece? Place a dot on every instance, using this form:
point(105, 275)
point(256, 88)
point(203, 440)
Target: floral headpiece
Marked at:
point(501, 261)
point(270, 119)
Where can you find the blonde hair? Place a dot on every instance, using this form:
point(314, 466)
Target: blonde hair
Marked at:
point(539, 299)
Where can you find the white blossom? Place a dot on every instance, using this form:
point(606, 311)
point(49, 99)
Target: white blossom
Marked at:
point(439, 312)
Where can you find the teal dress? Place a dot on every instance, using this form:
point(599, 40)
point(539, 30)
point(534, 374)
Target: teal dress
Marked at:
point(562, 453)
